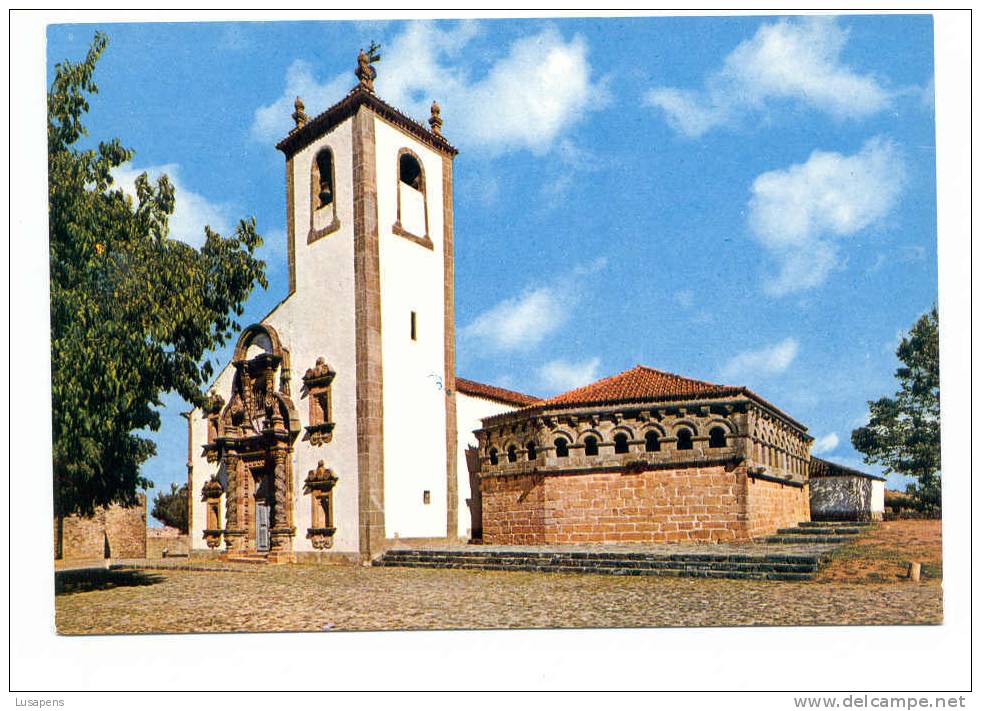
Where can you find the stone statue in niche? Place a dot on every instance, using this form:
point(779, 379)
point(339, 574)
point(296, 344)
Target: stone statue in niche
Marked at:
point(317, 383)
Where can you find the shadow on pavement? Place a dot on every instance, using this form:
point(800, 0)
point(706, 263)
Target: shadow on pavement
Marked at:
point(90, 579)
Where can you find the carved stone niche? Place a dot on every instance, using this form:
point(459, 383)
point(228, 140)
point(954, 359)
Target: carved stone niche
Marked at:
point(316, 385)
point(211, 494)
point(212, 410)
point(320, 485)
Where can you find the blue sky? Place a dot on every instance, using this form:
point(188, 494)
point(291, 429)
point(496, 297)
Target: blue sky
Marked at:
point(747, 200)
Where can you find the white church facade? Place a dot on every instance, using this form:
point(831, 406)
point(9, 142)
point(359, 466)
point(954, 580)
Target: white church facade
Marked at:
point(339, 424)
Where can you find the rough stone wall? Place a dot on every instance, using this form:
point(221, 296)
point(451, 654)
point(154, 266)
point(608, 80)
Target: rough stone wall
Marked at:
point(82, 536)
point(653, 506)
point(513, 510)
point(122, 530)
point(175, 545)
point(843, 498)
point(771, 505)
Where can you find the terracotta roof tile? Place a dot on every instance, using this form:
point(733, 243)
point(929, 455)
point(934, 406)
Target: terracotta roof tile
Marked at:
point(640, 383)
point(491, 392)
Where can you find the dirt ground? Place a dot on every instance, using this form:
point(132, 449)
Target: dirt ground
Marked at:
point(883, 555)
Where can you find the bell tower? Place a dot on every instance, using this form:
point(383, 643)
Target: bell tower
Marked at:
point(369, 195)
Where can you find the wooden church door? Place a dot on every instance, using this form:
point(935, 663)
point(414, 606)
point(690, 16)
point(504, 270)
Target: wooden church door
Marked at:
point(262, 526)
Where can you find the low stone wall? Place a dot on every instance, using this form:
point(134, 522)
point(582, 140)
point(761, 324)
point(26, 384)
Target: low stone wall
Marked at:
point(659, 505)
point(846, 498)
point(173, 545)
point(114, 532)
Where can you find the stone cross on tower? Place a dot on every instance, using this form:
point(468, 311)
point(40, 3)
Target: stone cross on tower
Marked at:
point(365, 72)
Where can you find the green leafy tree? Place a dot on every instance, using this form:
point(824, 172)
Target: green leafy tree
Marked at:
point(171, 508)
point(903, 433)
point(133, 311)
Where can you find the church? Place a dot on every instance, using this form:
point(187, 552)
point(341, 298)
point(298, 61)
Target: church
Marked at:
point(340, 427)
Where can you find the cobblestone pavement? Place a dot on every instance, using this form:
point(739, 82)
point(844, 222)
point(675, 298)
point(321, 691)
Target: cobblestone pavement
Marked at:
point(354, 598)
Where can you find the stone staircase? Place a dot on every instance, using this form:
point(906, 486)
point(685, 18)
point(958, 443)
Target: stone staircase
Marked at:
point(752, 566)
point(835, 532)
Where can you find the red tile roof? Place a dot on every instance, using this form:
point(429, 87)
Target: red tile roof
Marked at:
point(491, 392)
point(640, 383)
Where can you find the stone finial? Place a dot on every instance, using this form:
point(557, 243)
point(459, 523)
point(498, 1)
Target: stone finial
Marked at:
point(435, 120)
point(299, 115)
point(365, 72)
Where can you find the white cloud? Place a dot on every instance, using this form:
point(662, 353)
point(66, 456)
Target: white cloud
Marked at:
point(527, 99)
point(769, 360)
point(796, 60)
point(799, 212)
point(522, 322)
point(562, 375)
point(823, 445)
point(192, 211)
point(272, 122)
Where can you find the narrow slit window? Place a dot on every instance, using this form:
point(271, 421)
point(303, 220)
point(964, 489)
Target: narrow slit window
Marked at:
point(684, 439)
point(717, 437)
point(532, 451)
point(592, 446)
point(621, 444)
point(652, 443)
point(561, 447)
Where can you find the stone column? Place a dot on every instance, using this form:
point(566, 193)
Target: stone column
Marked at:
point(234, 526)
point(281, 533)
point(367, 316)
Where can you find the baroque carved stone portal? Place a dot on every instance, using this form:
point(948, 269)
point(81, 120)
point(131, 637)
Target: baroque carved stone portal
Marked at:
point(254, 442)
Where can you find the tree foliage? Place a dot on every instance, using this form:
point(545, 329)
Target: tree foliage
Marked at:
point(133, 311)
point(903, 433)
point(171, 508)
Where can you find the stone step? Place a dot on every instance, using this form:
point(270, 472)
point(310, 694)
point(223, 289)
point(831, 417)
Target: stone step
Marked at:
point(749, 567)
point(821, 531)
point(254, 558)
point(822, 524)
point(649, 569)
point(600, 556)
point(761, 562)
point(806, 539)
